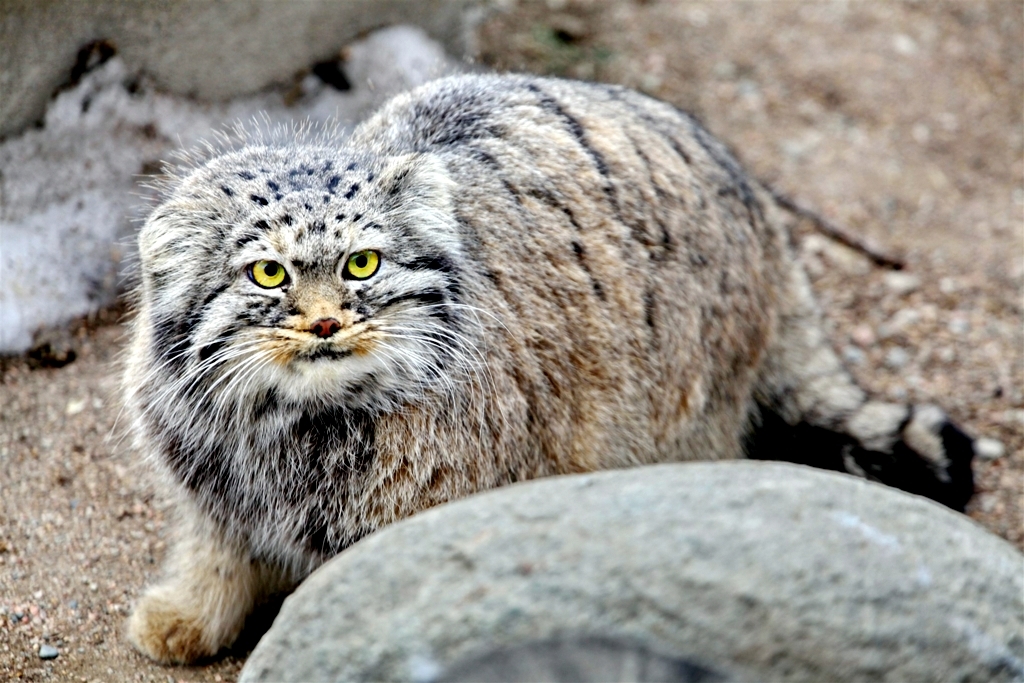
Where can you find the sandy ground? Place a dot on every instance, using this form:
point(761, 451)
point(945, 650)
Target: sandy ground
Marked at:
point(901, 122)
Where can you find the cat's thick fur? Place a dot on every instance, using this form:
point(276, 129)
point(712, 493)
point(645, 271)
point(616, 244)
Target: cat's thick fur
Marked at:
point(573, 277)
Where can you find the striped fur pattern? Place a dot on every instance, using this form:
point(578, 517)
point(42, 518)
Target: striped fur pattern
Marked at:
point(572, 277)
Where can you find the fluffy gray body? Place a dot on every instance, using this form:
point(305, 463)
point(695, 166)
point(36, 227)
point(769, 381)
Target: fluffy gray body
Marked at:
point(572, 277)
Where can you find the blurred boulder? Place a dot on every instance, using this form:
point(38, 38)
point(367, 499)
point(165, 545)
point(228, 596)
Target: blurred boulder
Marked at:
point(700, 571)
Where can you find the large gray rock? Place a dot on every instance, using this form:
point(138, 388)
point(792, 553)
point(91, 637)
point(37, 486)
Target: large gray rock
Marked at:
point(703, 571)
point(204, 48)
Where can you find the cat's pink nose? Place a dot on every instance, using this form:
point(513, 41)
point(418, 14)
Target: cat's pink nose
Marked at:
point(325, 327)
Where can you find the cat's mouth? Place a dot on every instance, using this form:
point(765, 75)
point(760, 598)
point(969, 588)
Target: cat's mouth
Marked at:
point(323, 353)
point(316, 352)
point(291, 345)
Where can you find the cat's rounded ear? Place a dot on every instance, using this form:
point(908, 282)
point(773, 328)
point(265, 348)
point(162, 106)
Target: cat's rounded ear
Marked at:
point(419, 194)
point(160, 239)
point(416, 178)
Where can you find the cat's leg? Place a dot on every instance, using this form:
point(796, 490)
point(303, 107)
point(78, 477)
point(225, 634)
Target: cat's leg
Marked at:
point(810, 410)
point(210, 587)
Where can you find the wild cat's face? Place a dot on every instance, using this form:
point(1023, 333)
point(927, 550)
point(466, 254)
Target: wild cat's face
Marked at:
point(311, 274)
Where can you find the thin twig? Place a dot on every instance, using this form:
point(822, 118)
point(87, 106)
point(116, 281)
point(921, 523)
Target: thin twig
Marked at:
point(879, 255)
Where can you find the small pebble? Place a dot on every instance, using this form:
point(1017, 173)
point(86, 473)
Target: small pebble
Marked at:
point(904, 44)
point(989, 449)
point(853, 355)
point(73, 604)
point(902, 283)
point(747, 88)
point(863, 335)
point(959, 325)
point(921, 134)
point(48, 652)
point(725, 70)
point(897, 357)
point(75, 406)
point(900, 321)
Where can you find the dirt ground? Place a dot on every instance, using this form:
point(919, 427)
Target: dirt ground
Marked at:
point(900, 121)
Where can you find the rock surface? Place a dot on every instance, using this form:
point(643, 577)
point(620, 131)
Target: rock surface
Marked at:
point(203, 48)
point(701, 571)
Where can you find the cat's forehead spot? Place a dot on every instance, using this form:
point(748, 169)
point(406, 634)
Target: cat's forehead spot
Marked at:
point(317, 237)
point(314, 205)
point(263, 176)
point(279, 242)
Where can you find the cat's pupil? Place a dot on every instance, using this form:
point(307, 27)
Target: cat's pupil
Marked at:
point(361, 261)
point(270, 269)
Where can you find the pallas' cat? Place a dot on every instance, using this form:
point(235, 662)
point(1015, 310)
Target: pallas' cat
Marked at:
point(495, 278)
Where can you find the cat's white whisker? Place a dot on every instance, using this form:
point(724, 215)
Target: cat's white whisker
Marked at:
point(229, 372)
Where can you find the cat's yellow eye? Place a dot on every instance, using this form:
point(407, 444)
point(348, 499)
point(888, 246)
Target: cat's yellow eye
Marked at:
point(362, 264)
point(267, 274)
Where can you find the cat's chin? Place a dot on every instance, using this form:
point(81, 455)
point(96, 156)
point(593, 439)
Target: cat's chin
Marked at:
point(351, 380)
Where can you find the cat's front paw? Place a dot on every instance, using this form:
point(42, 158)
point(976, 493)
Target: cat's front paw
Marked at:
point(167, 631)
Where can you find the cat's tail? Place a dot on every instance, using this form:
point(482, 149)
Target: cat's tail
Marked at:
point(808, 408)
